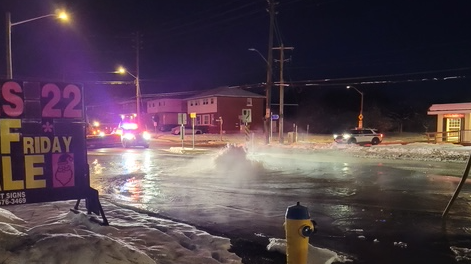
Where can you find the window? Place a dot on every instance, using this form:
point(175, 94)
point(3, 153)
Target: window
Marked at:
point(205, 101)
point(249, 101)
point(191, 103)
point(212, 100)
point(453, 124)
point(206, 120)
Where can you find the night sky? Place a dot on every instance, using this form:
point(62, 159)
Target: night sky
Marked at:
point(390, 49)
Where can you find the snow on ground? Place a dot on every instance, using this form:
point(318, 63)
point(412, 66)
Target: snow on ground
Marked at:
point(51, 233)
point(444, 152)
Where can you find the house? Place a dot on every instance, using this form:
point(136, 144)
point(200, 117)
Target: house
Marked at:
point(163, 109)
point(160, 111)
point(453, 122)
point(233, 106)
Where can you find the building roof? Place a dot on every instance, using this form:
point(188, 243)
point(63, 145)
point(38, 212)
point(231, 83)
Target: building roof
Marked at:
point(226, 92)
point(436, 109)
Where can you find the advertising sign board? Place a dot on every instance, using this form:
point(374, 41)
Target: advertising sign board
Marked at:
point(43, 144)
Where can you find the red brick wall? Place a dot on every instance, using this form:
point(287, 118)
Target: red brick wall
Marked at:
point(230, 108)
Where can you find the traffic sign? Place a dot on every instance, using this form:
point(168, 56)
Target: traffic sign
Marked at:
point(275, 117)
point(182, 118)
point(246, 115)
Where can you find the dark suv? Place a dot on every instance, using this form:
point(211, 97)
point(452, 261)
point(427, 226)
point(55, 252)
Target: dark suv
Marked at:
point(360, 136)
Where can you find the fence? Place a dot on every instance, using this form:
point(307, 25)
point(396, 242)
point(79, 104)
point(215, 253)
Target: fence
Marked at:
point(456, 136)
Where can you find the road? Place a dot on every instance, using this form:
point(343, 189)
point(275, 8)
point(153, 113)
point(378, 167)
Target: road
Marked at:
point(372, 210)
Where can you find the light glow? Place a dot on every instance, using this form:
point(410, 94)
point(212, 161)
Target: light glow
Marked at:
point(146, 135)
point(129, 126)
point(129, 136)
point(62, 15)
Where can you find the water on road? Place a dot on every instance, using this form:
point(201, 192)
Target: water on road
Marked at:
point(374, 211)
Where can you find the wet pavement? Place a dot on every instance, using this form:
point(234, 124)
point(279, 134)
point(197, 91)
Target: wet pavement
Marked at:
point(373, 211)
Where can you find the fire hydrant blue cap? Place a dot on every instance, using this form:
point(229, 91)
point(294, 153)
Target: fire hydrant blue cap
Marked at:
point(297, 212)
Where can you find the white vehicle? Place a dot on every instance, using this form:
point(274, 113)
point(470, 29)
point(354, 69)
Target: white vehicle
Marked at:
point(188, 130)
point(360, 136)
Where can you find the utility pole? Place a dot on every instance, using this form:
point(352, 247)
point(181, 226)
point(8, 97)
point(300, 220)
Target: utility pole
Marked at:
point(269, 84)
point(138, 87)
point(282, 89)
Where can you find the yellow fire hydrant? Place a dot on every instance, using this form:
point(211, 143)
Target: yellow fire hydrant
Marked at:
point(298, 227)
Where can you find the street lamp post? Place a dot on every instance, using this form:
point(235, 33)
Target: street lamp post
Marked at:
point(9, 25)
point(360, 116)
point(267, 120)
point(122, 70)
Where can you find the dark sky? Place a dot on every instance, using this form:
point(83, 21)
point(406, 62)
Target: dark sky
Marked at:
point(203, 44)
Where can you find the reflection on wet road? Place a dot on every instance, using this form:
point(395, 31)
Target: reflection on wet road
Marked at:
point(358, 203)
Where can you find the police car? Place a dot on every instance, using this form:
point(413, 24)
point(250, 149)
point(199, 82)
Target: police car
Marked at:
point(360, 136)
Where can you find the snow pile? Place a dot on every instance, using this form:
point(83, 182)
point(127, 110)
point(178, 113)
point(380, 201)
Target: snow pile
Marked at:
point(51, 233)
point(322, 255)
point(413, 151)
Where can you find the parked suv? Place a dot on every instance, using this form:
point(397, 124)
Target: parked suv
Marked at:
point(360, 136)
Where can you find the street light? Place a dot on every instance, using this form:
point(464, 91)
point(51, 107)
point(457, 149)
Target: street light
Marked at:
point(268, 95)
point(61, 15)
point(360, 116)
point(122, 70)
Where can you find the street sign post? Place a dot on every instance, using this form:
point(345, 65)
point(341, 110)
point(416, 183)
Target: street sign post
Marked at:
point(193, 116)
point(182, 123)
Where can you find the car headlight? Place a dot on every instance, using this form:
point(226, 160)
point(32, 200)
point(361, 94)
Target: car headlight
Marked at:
point(101, 134)
point(335, 136)
point(146, 135)
point(129, 136)
point(347, 136)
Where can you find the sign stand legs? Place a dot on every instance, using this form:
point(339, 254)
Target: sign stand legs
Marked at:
point(93, 205)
